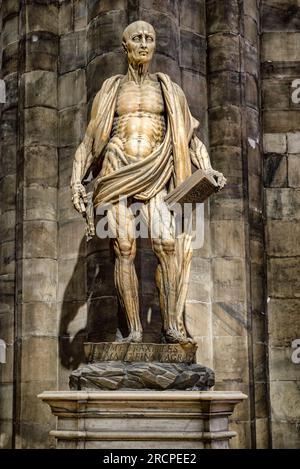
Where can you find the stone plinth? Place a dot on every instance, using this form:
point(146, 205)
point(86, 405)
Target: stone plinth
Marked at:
point(142, 419)
point(121, 366)
point(142, 375)
point(130, 352)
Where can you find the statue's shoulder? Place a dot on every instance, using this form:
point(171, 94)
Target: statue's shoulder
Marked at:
point(109, 82)
point(108, 85)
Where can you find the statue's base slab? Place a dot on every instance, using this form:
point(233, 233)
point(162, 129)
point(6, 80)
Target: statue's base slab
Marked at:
point(142, 419)
point(141, 352)
point(114, 375)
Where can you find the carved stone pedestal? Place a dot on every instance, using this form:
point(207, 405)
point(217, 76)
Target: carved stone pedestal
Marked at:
point(142, 419)
point(122, 366)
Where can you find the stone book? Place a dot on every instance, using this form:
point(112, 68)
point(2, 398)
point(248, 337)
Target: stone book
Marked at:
point(197, 188)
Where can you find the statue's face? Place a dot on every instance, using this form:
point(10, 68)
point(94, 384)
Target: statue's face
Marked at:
point(139, 42)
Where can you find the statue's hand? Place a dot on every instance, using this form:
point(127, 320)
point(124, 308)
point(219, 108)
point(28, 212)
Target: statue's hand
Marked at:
point(79, 198)
point(221, 180)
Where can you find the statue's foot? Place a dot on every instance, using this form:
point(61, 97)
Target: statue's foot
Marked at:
point(175, 337)
point(134, 337)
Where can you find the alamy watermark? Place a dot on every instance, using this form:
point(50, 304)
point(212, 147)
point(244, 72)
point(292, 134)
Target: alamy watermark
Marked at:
point(296, 352)
point(296, 92)
point(138, 220)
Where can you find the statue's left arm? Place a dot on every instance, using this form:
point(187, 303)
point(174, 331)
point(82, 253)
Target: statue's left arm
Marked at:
point(198, 151)
point(200, 158)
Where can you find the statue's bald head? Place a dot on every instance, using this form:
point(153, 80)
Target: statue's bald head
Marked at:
point(139, 42)
point(136, 27)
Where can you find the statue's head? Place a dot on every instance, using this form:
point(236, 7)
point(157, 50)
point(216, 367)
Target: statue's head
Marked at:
point(139, 42)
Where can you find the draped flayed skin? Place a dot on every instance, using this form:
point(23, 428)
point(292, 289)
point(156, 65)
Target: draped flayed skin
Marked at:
point(172, 159)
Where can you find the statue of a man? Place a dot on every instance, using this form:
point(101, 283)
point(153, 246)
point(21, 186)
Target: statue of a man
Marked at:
point(141, 143)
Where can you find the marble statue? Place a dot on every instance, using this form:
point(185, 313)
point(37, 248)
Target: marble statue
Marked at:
point(140, 144)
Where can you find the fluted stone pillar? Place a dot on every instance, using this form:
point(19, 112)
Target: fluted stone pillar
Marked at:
point(236, 214)
point(35, 366)
point(9, 21)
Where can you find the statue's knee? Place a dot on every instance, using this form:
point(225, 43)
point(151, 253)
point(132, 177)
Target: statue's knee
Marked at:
point(168, 245)
point(163, 246)
point(126, 247)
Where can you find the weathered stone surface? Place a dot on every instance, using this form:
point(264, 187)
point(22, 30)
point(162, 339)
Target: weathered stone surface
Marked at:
point(229, 319)
point(95, 7)
point(39, 319)
point(115, 375)
point(104, 34)
point(283, 204)
point(293, 140)
point(284, 322)
point(281, 15)
point(40, 126)
point(10, 7)
point(281, 46)
point(222, 16)
point(199, 285)
point(224, 89)
point(8, 225)
point(280, 362)
point(285, 400)
point(193, 47)
point(41, 202)
point(72, 51)
point(192, 15)
point(281, 121)
point(10, 58)
point(285, 434)
point(227, 238)
point(198, 319)
point(229, 279)
point(282, 238)
point(251, 31)
point(11, 91)
point(42, 17)
point(72, 125)
point(275, 171)
point(276, 94)
point(39, 88)
point(284, 277)
point(8, 128)
point(40, 239)
point(130, 353)
point(224, 53)
point(41, 165)
point(225, 126)
point(7, 259)
point(10, 30)
point(294, 171)
point(72, 285)
point(8, 190)
point(233, 352)
point(72, 242)
point(275, 143)
point(65, 17)
point(41, 52)
point(41, 272)
point(72, 89)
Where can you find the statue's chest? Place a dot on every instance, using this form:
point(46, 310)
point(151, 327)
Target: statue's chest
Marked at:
point(145, 98)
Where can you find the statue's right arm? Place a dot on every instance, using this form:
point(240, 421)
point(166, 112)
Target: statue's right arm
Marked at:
point(82, 162)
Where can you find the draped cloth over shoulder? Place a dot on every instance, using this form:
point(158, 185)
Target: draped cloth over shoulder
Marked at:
point(146, 178)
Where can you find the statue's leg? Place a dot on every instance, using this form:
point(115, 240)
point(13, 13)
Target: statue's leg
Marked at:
point(173, 270)
point(121, 221)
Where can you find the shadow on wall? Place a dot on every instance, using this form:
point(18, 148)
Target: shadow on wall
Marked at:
point(97, 315)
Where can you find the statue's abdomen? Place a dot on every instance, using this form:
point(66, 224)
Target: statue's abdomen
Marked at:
point(139, 122)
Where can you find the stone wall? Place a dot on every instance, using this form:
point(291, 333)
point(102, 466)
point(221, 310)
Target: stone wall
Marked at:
point(57, 290)
point(281, 127)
